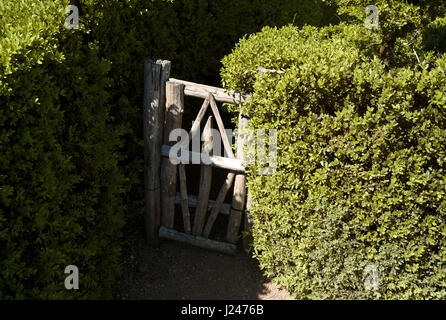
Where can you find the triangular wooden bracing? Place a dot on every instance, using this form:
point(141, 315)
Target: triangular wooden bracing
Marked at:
point(218, 204)
point(221, 128)
point(196, 125)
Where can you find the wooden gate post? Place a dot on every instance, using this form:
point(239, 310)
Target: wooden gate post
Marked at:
point(173, 120)
point(239, 197)
point(155, 76)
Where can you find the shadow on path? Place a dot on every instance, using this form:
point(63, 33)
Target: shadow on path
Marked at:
point(177, 271)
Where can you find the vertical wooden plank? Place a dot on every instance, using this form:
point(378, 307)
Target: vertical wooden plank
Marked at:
point(205, 182)
point(165, 75)
point(218, 204)
point(184, 199)
point(173, 119)
point(239, 196)
point(152, 76)
point(153, 116)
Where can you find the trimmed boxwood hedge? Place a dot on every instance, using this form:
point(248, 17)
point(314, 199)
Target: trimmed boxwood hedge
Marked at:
point(60, 183)
point(361, 163)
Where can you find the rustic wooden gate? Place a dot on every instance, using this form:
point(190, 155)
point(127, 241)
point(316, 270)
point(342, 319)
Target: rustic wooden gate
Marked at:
point(163, 111)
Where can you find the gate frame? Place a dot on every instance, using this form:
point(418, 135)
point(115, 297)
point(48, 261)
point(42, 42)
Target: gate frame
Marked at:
point(163, 110)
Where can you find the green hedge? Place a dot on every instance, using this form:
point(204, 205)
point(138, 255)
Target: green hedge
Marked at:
point(70, 123)
point(434, 36)
point(60, 183)
point(361, 163)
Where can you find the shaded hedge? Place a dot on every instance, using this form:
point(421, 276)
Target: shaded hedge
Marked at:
point(361, 163)
point(71, 128)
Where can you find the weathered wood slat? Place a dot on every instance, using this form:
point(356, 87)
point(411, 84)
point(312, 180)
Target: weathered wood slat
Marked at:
point(221, 128)
point(154, 90)
point(205, 182)
point(173, 119)
point(184, 200)
point(215, 161)
point(218, 204)
point(202, 91)
point(200, 242)
point(193, 202)
point(196, 125)
point(165, 74)
point(239, 196)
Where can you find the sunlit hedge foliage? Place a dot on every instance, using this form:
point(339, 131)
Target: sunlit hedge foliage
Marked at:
point(60, 184)
point(361, 163)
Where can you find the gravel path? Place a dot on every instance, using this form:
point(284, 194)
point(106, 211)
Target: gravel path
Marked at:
point(177, 271)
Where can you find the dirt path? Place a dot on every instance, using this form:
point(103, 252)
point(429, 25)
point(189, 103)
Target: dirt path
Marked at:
point(177, 271)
